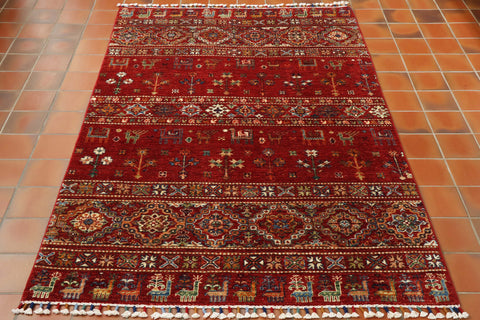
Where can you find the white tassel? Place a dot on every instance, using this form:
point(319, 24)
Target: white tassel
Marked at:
point(29, 311)
point(254, 314)
point(206, 313)
point(263, 314)
point(17, 311)
point(155, 315)
point(65, 310)
point(315, 314)
point(230, 314)
point(75, 311)
point(271, 314)
point(39, 310)
point(126, 314)
point(414, 313)
point(195, 314)
point(288, 314)
point(297, 315)
point(431, 316)
point(83, 312)
point(214, 314)
point(247, 314)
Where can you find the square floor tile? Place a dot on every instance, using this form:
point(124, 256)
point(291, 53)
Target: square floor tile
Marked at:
point(25, 122)
point(459, 145)
point(472, 200)
point(32, 202)
point(47, 80)
point(10, 80)
point(27, 46)
point(453, 62)
point(447, 122)
point(45, 173)
point(16, 146)
point(405, 30)
point(428, 16)
point(465, 172)
point(429, 81)
point(437, 100)
point(420, 146)
point(18, 62)
point(435, 30)
point(35, 101)
point(443, 202)
point(7, 99)
point(10, 172)
point(21, 235)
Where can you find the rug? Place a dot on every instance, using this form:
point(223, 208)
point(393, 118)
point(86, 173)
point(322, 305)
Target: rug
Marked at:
point(239, 162)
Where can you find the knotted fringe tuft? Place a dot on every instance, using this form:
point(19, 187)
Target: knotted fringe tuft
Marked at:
point(243, 312)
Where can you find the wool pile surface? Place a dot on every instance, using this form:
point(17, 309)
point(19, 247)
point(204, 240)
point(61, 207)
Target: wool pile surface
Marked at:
point(239, 162)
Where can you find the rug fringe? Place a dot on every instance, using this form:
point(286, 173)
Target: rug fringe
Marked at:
point(246, 6)
point(244, 312)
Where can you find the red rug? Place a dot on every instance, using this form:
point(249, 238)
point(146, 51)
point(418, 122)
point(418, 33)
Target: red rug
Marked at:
point(236, 163)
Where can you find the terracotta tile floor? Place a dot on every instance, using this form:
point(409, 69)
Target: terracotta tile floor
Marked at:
point(427, 54)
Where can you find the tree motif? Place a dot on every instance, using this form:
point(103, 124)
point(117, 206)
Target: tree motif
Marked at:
point(140, 165)
point(357, 164)
point(331, 81)
point(269, 162)
point(313, 166)
point(297, 84)
point(119, 81)
point(183, 163)
point(227, 82)
point(87, 160)
point(224, 164)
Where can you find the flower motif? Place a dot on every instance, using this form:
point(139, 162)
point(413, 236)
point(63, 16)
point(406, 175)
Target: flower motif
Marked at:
point(110, 81)
point(107, 160)
point(268, 152)
point(89, 221)
point(99, 151)
point(86, 160)
point(311, 153)
point(121, 74)
point(127, 81)
point(226, 153)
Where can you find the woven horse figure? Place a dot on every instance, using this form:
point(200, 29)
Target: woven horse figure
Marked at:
point(304, 295)
point(43, 292)
point(103, 293)
point(161, 295)
point(277, 295)
point(388, 295)
point(313, 137)
point(241, 135)
point(74, 293)
point(220, 295)
point(131, 294)
point(333, 296)
point(247, 296)
point(190, 295)
point(416, 294)
point(175, 135)
point(441, 294)
point(360, 295)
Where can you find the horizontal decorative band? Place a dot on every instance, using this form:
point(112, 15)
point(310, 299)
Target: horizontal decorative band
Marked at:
point(233, 6)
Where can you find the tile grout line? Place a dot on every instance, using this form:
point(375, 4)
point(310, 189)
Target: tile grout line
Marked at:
point(462, 114)
point(456, 38)
point(426, 117)
point(48, 112)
